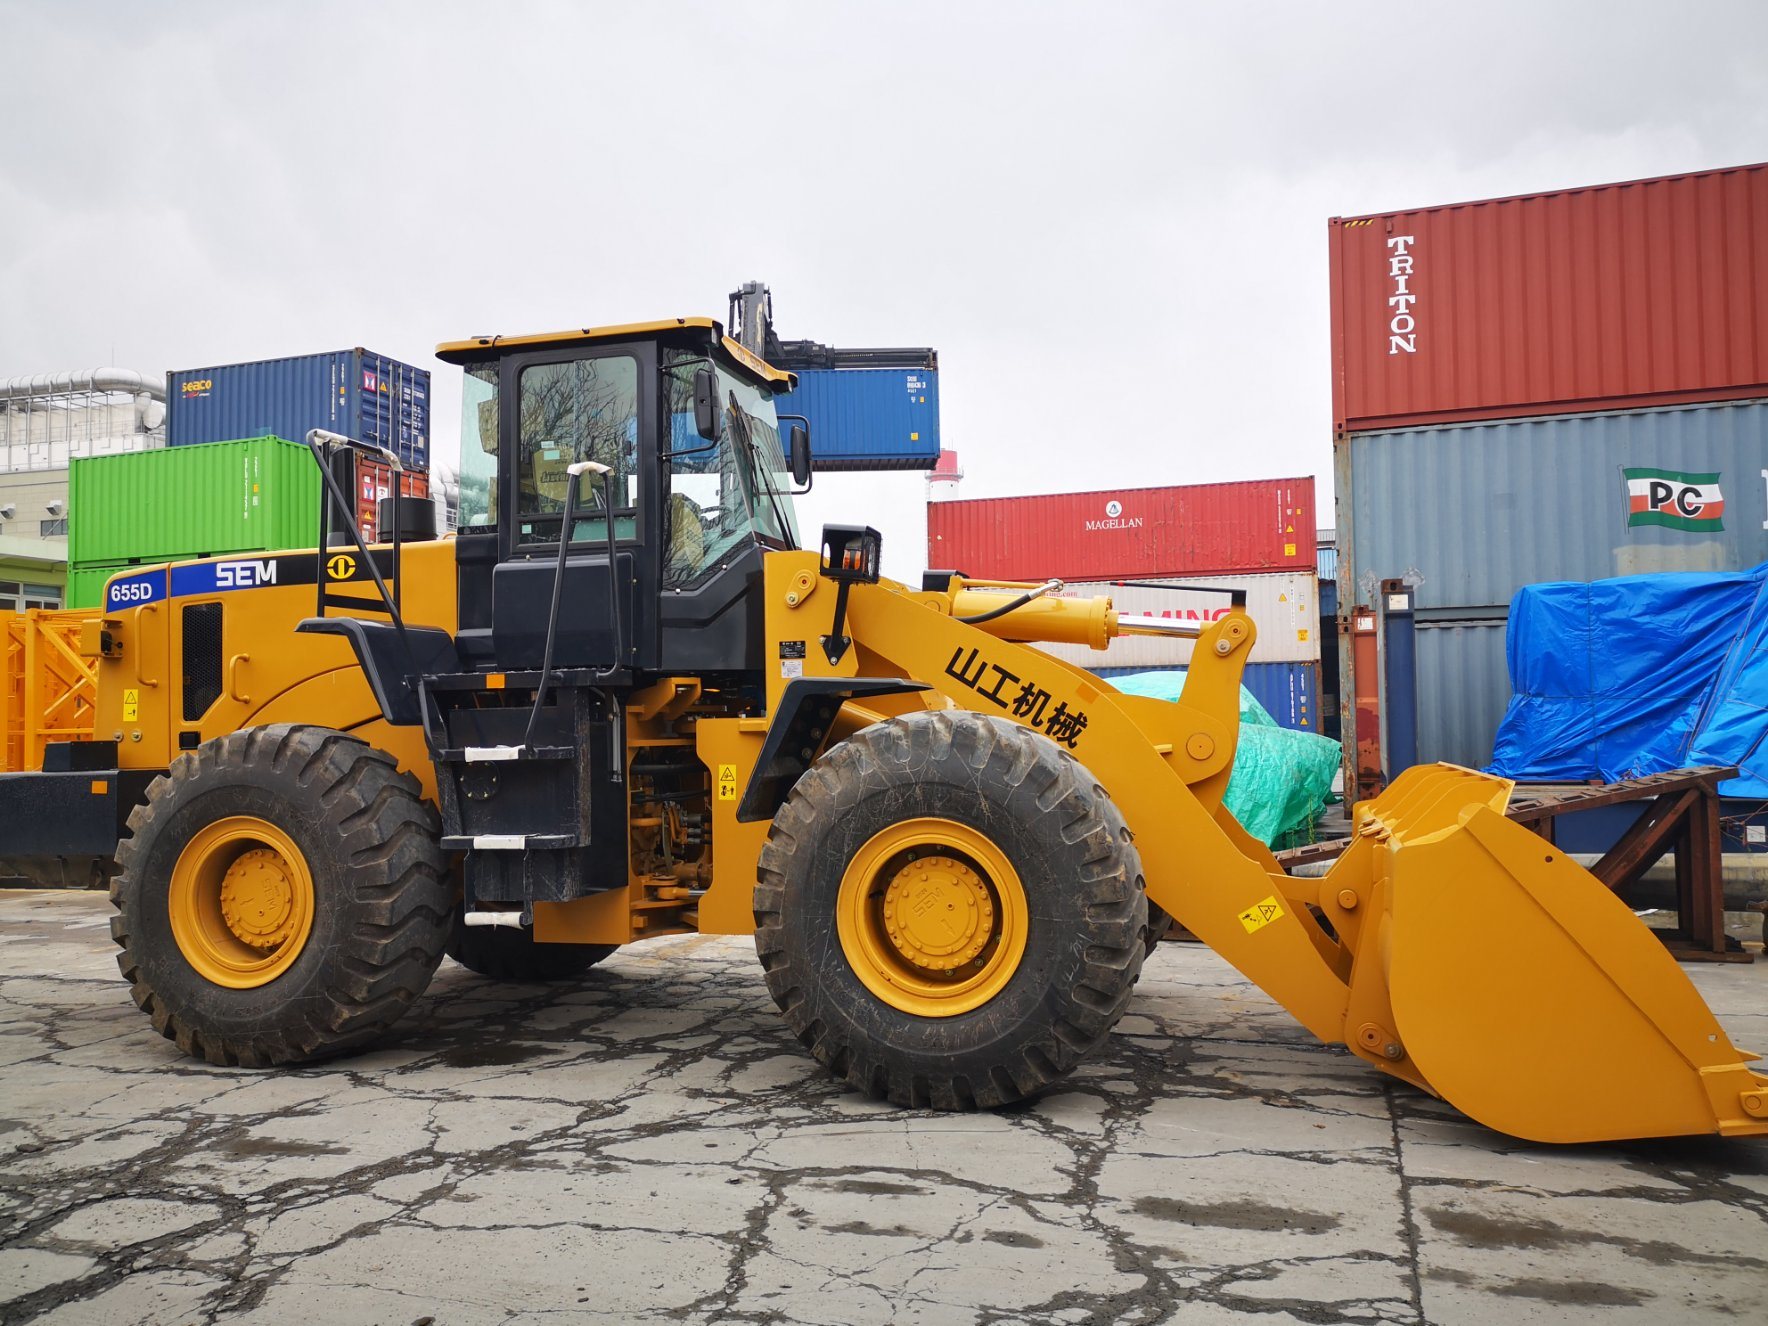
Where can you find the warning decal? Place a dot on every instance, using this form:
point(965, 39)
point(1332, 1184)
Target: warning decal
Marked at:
point(1259, 916)
point(131, 705)
point(727, 782)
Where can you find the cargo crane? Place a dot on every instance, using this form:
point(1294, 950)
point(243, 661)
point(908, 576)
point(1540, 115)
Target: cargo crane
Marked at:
point(625, 703)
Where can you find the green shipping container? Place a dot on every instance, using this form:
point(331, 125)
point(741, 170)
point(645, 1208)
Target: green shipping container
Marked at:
point(260, 494)
point(86, 585)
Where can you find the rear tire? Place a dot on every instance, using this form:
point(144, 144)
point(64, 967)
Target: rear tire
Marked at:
point(501, 954)
point(281, 897)
point(1041, 819)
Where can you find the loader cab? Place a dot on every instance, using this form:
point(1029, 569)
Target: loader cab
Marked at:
point(698, 480)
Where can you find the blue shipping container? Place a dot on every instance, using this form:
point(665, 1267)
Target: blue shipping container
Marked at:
point(363, 395)
point(867, 418)
point(1290, 692)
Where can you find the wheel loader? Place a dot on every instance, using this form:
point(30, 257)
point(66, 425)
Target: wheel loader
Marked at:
point(622, 702)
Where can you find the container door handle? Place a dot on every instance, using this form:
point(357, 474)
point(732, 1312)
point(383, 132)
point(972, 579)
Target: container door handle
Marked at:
point(233, 690)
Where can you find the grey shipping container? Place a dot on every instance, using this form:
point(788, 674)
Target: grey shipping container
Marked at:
point(1467, 514)
point(1470, 513)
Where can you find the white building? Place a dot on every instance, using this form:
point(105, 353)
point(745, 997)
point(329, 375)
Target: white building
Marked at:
point(46, 421)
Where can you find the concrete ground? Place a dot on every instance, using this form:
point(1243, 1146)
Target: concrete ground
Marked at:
point(649, 1145)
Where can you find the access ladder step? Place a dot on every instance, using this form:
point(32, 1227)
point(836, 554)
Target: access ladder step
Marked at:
point(509, 842)
point(502, 754)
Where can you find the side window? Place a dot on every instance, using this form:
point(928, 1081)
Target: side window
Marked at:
point(586, 409)
point(478, 446)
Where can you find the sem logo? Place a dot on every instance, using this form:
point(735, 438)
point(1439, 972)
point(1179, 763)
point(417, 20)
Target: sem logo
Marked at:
point(341, 566)
point(243, 575)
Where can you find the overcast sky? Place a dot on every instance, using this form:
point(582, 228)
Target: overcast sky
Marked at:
point(1110, 220)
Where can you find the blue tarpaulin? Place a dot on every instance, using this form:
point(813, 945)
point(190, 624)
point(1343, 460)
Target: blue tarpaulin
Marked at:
point(1639, 675)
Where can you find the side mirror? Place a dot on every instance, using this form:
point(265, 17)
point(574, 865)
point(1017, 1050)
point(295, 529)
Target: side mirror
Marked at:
point(799, 456)
point(706, 404)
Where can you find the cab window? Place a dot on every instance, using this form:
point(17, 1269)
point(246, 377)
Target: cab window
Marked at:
point(586, 409)
point(478, 446)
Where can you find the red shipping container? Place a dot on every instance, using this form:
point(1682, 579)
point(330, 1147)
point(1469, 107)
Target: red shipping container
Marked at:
point(374, 480)
point(1219, 528)
point(1651, 292)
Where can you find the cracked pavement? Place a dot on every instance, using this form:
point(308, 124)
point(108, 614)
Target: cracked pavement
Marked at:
point(648, 1144)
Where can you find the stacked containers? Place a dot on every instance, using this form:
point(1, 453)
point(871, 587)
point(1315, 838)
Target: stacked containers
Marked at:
point(253, 495)
point(1559, 386)
point(258, 494)
point(1257, 537)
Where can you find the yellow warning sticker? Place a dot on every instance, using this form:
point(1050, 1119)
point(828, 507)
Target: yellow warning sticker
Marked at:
point(131, 705)
point(1289, 550)
point(727, 782)
point(1259, 916)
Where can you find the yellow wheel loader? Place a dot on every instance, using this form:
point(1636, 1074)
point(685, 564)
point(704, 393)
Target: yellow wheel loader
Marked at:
point(623, 703)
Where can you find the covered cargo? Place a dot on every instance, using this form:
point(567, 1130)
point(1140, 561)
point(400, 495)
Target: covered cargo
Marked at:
point(1639, 675)
point(1129, 533)
point(1281, 776)
point(363, 395)
point(1284, 607)
point(1470, 513)
point(1619, 295)
point(1289, 692)
point(867, 418)
point(195, 501)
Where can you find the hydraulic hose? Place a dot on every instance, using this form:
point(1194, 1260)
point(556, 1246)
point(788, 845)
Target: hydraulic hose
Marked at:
point(1012, 605)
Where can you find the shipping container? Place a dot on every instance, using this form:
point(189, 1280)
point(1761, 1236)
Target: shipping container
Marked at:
point(1462, 686)
point(364, 396)
point(1289, 691)
point(374, 482)
point(194, 501)
point(1128, 533)
point(85, 588)
point(867, 418)
point(1614, 296)
point(1473, 512)
point(1285, 608)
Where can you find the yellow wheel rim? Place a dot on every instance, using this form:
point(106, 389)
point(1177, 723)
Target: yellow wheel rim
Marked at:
point(241, 902)
point(932, 917)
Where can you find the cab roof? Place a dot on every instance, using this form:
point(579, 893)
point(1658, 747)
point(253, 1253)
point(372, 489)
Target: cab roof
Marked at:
point(474, 348)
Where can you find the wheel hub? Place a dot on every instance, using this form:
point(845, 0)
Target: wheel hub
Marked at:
point(931, 917)
point(937, 913)
point(241, 902)
point(257, 899)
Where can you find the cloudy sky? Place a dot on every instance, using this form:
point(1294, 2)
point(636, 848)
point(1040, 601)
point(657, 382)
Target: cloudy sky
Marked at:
point(1109, 219)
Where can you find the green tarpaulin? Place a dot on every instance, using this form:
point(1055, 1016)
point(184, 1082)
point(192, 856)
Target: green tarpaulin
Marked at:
point(1281, 777)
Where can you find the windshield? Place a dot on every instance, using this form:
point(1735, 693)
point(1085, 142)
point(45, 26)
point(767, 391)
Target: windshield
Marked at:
point(727, 493)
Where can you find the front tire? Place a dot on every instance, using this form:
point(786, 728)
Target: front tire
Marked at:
point(280, 897)
point(950, 911)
